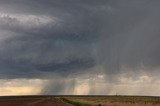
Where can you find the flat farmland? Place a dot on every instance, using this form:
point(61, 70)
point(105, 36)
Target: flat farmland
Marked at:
point(32, 101)
point(79, 101)
point(113, 100)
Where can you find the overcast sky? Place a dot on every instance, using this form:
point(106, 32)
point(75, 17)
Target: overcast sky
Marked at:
point(80, 47)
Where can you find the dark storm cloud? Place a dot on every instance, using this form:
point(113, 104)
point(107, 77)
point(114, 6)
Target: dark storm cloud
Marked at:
point(110, 33)
point(58, 38)
point(132, 39)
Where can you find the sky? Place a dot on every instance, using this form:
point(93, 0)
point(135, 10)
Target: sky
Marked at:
point(79, 47)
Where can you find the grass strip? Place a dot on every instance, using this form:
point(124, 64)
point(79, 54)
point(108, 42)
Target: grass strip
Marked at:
point(75, 103)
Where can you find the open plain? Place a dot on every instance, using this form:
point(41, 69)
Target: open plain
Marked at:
point(79, 101)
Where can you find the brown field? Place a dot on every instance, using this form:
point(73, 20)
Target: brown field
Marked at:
point(32, 101)
point(115, 100)
point(79, 101)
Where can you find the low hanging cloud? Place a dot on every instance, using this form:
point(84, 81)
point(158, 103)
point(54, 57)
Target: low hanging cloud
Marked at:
point(106, 40)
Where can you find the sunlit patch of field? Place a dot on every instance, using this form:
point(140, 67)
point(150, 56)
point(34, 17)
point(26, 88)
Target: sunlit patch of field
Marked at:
point(113, 100)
